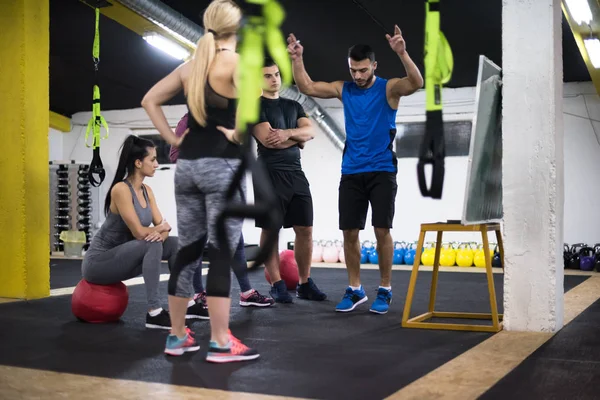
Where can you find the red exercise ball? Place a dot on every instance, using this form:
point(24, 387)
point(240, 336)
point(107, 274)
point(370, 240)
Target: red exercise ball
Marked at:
point(99, 303)
point(288, 269)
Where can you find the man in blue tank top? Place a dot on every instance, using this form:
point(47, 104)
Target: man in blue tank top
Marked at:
point(369, 164)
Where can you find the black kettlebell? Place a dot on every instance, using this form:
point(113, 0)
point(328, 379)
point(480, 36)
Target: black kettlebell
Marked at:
point(496, 261)
point(574, 261)
point(567, 255)
point(597, 257)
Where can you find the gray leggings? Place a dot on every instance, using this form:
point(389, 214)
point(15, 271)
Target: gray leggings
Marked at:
point(131, 259)
point(200, 190)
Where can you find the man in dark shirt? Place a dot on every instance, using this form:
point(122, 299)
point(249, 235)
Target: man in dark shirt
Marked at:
point(281, 132)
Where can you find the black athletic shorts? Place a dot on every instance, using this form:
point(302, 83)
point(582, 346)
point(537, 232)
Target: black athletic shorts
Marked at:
point(356, 191)
point(293, 198)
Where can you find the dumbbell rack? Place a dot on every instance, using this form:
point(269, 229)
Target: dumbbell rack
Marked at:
point(70, 202)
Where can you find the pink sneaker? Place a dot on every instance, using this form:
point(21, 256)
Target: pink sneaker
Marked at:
point(255, 299)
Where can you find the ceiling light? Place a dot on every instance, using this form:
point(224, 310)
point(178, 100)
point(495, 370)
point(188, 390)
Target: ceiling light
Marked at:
point(580, 11)
point(168, 46)
point(593, 49)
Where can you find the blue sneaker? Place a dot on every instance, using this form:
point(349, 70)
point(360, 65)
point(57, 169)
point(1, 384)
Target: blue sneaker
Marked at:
point(279, 292)
point(351, 299)
point(176, 346)
point(382, 303)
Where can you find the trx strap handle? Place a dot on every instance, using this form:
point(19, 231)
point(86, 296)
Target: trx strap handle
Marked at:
point(438, 71)
point(97, 121)
point(262, 29)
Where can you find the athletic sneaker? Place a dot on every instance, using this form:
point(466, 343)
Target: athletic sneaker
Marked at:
point(234, 351)
point(255, 299)
point(176, 346)
point(279, 292)
point(160, 321)
point(382, 303)
point(197, 311)
point(310, 291)
point(351, 299)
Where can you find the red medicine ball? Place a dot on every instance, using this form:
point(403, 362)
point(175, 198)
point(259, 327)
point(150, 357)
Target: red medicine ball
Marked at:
point(99, 303)
point(288, 269)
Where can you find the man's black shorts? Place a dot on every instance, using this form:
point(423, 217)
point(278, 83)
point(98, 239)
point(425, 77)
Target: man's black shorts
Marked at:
point(356, 191)
point(294, 199)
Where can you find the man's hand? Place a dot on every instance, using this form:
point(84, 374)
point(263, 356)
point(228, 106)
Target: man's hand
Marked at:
point(277, 136)
point(396, 42)
point(294, 47)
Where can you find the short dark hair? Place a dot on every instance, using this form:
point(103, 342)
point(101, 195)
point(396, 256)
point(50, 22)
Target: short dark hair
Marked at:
point(269, 62)
point(360, 52)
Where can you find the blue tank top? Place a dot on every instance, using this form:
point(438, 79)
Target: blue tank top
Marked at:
point(370, 129)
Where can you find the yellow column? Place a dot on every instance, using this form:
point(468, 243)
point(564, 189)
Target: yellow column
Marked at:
point(24, 119)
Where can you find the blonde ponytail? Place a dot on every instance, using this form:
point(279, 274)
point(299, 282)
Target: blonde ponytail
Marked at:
point(201, 63)
point(222, 18)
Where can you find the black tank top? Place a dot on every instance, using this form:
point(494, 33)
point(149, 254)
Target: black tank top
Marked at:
point(208, 141)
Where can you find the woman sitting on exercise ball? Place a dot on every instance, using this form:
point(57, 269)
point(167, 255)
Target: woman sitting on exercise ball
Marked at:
point(126, 245)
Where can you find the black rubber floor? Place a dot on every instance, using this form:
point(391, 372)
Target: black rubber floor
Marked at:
point(307, 350)
point(565, 367)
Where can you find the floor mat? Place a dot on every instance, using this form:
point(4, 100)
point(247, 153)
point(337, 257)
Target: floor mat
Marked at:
point(307, 350)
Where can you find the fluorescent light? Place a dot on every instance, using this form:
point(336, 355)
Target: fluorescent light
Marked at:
point(593, 49)
point(168, 46)
point(580, 11)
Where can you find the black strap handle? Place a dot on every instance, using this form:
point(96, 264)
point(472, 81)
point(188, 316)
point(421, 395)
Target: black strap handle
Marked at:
point(433, 151)
point(96, 168)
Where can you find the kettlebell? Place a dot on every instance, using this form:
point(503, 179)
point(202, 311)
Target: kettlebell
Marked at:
point(447, 255)
point(428, 254)
point(464, 255)
point(496, 261)
point(330, 252)
point(586, 259)
point(479, 257)
point(317, 255)
point(575, 256)
point(411, 251)
point(365, 250)
point(597, 257)
point(373, 255)
point(399, 250)
point(567, 255)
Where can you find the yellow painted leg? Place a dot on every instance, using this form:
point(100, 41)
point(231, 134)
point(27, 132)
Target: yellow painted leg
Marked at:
point(490, 276)
point(413, 278)
point(500, 246)
point(436, 269)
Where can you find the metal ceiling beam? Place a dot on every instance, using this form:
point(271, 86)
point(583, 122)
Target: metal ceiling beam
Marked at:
point(581, 32)
point(139, 24)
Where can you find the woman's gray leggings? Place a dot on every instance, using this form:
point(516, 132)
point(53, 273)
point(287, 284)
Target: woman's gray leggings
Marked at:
point(131, 259)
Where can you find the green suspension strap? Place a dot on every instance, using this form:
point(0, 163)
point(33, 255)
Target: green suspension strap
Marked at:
point(438, 71)
point(261, 30)
point(97, 120)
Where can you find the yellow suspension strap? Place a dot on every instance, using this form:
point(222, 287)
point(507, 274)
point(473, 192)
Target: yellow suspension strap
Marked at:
point(438, 71)
point(97, 120)
point(261, 31)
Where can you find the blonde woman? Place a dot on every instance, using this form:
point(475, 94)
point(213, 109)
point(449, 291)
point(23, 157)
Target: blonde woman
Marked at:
point(209, 155)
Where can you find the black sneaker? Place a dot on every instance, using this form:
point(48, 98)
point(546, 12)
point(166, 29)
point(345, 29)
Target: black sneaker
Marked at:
point(255, 299)
point(161, 321)
point(310, 291)
point(197, 311)
point(279, 293)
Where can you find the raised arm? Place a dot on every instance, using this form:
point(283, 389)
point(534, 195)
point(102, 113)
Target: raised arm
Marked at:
point(323, 90)
point(398, 87)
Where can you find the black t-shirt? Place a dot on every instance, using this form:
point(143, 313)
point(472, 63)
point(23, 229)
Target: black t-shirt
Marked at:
point(281, 114)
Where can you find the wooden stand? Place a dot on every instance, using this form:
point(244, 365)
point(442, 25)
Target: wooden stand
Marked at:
point(419, 321)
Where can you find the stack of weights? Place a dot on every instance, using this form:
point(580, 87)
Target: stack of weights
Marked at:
point(63, 200)
point(84, 207)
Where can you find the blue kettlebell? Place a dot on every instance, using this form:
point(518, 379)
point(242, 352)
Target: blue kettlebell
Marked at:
point(373, 256)
point(365, 251)
point(586, 259)
point(399, 251)
point(409, 256)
